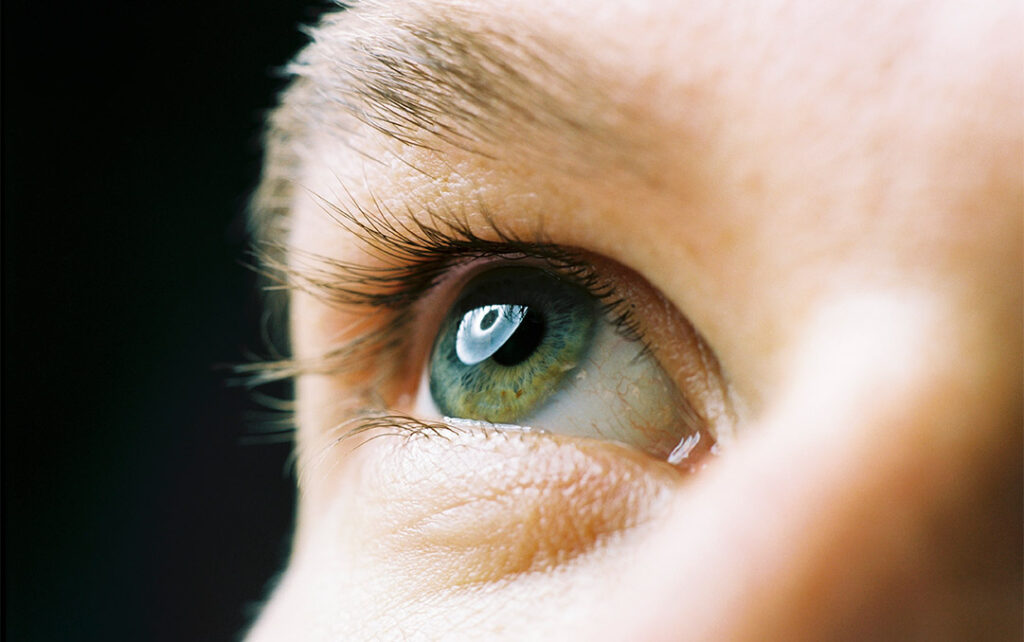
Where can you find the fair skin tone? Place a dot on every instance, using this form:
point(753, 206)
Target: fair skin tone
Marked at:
point(831, 195)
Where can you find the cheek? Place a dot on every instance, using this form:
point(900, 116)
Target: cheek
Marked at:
point(419, 533)
point(491, 507)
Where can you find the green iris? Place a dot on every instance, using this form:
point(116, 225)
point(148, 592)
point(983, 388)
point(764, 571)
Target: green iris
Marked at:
point(508, 343)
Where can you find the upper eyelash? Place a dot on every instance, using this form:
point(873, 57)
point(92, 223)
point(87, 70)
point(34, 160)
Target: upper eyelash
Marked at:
point(412, 256)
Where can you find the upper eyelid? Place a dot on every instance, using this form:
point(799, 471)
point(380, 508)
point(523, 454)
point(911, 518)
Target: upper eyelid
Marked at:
point(405, 255)
point(409, 255)
point(408, 261)
point(407, 258)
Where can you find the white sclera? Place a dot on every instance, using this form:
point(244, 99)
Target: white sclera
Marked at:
point(617, 392)
point(484, 330)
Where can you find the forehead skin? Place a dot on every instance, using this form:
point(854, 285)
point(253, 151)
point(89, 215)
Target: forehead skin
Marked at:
point(831, 192)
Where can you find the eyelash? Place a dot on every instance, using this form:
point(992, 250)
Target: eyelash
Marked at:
point(412, 258)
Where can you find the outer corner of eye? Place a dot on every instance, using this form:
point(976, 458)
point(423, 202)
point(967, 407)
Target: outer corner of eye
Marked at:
point(532, 345)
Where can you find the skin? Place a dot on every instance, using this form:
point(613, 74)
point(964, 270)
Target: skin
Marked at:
point(832, 196)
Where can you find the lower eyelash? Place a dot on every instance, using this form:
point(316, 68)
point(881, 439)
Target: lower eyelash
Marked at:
point(385, 424)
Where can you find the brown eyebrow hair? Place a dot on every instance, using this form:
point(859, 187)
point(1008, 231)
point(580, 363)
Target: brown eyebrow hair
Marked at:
point(432, 77)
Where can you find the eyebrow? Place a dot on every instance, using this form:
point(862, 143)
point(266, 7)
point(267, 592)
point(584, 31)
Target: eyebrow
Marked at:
point(431, 74)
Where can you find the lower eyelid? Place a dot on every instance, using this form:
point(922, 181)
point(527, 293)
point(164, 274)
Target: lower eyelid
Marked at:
point(497, 504)
point(393, 383)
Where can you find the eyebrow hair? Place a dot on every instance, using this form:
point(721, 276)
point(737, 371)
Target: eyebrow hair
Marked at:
point(430, 78)
point(421, 75)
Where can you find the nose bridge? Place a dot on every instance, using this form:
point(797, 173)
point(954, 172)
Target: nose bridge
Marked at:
point(899, 371)
point(899, 411)
point(850, 465)
point(861, 505)
point(865, 361)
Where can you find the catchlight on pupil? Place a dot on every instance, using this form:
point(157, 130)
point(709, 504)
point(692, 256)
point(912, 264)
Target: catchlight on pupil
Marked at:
point(489, 329)
point(508, 343)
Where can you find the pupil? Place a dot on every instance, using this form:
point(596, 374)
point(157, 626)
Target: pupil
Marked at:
point(488, 320)
point(523, 341)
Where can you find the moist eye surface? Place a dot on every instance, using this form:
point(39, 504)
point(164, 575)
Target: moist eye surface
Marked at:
point(524, 345)
point(508, 344)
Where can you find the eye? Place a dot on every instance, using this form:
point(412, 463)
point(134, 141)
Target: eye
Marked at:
point(526, 346)
point(508, 344)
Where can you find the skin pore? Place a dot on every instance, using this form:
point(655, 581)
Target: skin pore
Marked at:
point(830, 194)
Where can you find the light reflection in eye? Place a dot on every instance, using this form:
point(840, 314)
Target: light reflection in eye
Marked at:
point(524, 346)
point(507, 344)
point(485, 330)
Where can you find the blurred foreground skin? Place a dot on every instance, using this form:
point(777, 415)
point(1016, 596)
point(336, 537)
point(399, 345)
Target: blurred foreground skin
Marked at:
point(832, 194)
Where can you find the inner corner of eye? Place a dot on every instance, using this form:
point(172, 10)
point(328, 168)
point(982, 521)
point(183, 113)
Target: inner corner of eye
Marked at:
point(528, 346)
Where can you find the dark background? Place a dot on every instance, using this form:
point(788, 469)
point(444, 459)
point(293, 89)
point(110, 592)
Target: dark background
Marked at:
point(132, 508)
